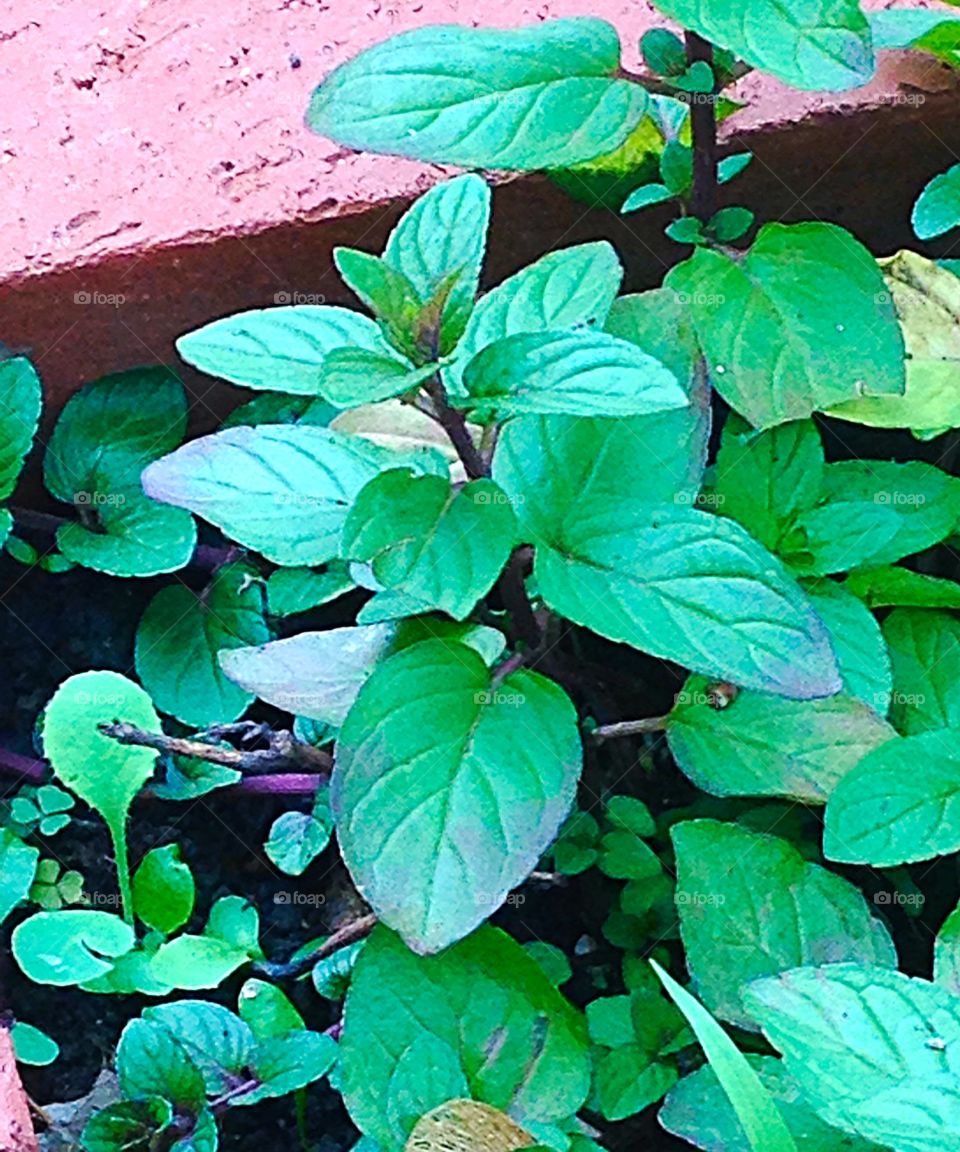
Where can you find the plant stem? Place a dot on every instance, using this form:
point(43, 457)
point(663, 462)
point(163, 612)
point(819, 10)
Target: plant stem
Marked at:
point(345, 935)
point(703, 122)
point(629, 728)
point(454, 423)
point(513, 592)
point(284, 750)
point(122, 857)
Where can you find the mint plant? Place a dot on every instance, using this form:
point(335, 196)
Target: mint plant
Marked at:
point(535, 591)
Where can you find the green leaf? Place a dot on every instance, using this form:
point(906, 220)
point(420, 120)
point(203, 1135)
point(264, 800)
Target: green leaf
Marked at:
point(937, 209)
point(676, 167)
point(510, 1037)
point(871, 1050)
point(759, 1116)
point(925, 650)
point(890, 587)
point(799, 324)
point(645, 197)
point(663, 52)
point(18, 866)
point(283, 491)
point(164, 890)
point(385, 291)
point(686, 230)
point(730, 224)
point(926, 297)
point(689, 587)
point(130, 535)
point(267, 1011)
point(33, 1046)
point(285, 1064)
point(546, 463)
point(439, 812)
point(751, 906)
point(127, 1124)
point(885, 812)
point(180, 636)
point(106, 434)
point(624, 1086)
point(356, 376)
point(576, 373)
point(442, 547)
point(218, 1043)
point(545, 96)
point(872, 512)
point(439, 245)
point(400, 428)
point(279, 408)
point(318, 674)
point(823, 46)
point(105, 774)
point(731, 166)
point(765, 479)
point(21, 397)
point(294, 590)
point(698, 1111)
point(71, 947)
point(760, 745)
point(278, 349)
point(150, 1061)
point(946, 953)
point(194, 963)
point(236, 921)
point(567, 288)
point(858, 644)
point(925, 30)
point(297, 839)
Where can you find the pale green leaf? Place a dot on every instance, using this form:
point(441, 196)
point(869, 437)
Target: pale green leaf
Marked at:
point(751, 906)
point(858, 644)
point(799, 324)
point(545, 96)
point(761, 745)
point(21, 397)
point(925, 651)
point(690, 587)
point(937, 209)
point(356, 376)
point(507, 1034)
point(18, 866)
point(69, 947)
point(278, 349)
point(448, 788)
point(892, 587)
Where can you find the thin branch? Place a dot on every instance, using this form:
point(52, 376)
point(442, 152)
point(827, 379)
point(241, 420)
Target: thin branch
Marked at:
point(454, 423)
point(30, 771)
point(513, 592)
point(284, 751)
point(703, 122)
point(344, 936)
point(629, 728)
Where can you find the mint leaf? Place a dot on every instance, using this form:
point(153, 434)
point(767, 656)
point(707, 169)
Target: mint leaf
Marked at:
point(885, 812)
point(888, 587)
point(698, 1111)
point(690, 587)
point(577, 373)
point(868, 1048)
point(824, 45)
point(439, 812)
point(872, 512)
point(283, 491)
point(927, 300)
point(318, 674)
point(751, 906)
point(858, 644)
point(925, 651)
point(355, 376)
point(438, 247)
point(444, 548)
point(20, 402)
point(181, 635)
point(485, 1006)
point(937, 209)
point(570, 287)
point(278, 349)
point(800, 323)
point(764, 479)
point(761, 745)
point(539, 97)
point(71, 947)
